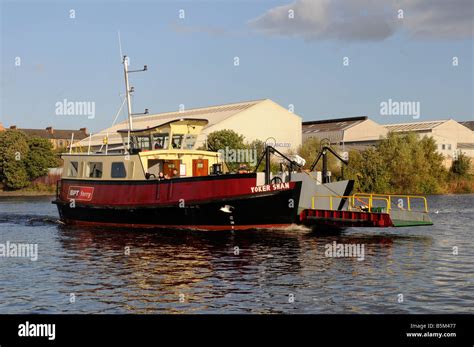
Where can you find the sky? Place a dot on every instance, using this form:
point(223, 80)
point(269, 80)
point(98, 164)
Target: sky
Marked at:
point(325, 58)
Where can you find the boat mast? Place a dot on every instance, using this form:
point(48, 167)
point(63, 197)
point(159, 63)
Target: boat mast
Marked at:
point(128, 91)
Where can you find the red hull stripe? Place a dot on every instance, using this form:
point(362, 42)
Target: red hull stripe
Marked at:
point(177, 226)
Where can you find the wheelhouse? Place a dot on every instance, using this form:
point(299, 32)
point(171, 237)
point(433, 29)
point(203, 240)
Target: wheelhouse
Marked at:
point(164, 151)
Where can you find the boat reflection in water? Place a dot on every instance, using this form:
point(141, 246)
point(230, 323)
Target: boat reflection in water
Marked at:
point(140, 271)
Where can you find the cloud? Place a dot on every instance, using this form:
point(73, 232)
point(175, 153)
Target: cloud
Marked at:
point(442, 19)
point(368, 20)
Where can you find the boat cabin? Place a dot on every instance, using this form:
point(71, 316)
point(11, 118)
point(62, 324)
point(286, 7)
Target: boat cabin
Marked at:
point(164, 151)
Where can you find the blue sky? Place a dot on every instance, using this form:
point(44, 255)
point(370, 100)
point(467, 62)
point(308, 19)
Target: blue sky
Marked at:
point(191, 60)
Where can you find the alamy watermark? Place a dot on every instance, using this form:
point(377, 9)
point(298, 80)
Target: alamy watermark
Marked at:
point(19, 250)
point(345, 250)
point(231, 155)
point(75, 108)
point(271, 141)
point(28, 329)
point(400, 108)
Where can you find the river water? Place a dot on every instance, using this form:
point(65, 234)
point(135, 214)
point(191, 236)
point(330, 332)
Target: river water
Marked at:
point(78, 270)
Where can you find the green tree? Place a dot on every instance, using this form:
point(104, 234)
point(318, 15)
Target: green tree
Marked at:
point(310, 149)
point(13, 151)
point(41, 156)
point(400, 163)
point(228, 141)
point(258, 148)
point(225, 138)
point(23, 159)
point(369, 171)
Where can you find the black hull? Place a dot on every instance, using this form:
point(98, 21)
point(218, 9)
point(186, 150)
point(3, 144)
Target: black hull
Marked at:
point(273, 209)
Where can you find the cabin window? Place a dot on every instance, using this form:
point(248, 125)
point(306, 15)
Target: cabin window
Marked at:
point(177, 141)
point(118, 170)
point(72, 169)
point(94, 169)
point(190, 141)
point(160, 141)
point(143, 142)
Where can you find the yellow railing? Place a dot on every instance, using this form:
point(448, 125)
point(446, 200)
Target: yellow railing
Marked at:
point(367, 200)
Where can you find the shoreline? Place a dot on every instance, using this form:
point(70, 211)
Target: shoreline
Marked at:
point(22, 193)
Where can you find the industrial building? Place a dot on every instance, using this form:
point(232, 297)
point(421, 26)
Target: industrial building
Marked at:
point(255, 120)
point(451, 137)
point(351, 133)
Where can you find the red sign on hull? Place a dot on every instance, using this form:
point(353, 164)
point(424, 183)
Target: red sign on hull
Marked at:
point(80, 193)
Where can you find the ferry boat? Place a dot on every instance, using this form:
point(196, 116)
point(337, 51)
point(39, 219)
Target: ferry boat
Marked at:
point(161, 180)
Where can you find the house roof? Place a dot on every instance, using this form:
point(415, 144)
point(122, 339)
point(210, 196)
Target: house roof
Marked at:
point(56, 134)
point(337, 124)
point(213, 114)
point(415, 126)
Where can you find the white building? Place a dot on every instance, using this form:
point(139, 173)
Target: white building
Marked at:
point(255, 120)
point(451, 137)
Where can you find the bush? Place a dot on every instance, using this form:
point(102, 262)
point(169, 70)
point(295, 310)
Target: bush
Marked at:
point(461, 166)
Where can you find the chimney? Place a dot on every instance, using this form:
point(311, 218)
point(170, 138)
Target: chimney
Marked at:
point(13, 127)
point(84, 130)
point(50, 129)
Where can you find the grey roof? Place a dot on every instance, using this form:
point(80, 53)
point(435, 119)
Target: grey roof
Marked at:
point(336, 124)
point(332, 129)
point(469, 124)
point(415, 126)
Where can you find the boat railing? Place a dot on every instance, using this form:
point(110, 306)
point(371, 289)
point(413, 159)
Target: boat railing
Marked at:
point(399, 198)
point(370, 202)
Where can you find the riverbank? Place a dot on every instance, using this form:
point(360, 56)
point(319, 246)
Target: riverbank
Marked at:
point(459, 186)
point(26, 193)
point(34, 190)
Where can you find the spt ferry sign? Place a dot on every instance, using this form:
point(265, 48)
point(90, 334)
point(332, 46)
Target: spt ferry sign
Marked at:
point(270, 187)
point(80, 193)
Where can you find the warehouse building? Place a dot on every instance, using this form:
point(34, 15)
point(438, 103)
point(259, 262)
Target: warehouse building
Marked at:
point(451, 137)
point(351, 133)
point(262, 120)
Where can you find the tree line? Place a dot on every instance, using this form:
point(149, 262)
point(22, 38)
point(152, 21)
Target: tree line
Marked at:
point(399, 164)
point(24, 158)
